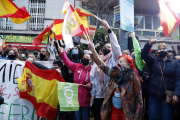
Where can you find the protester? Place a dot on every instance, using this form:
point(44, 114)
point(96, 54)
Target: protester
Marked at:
point(31, 56)
point(170, 55)
point(35, 53)
point(1, 52)
point(97, 77)
point(126, 51)
point(164, 76)
point(44, 55)
point(81, 76)
point(123, 99)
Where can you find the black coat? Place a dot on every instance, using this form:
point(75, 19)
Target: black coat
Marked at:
point(171, 74)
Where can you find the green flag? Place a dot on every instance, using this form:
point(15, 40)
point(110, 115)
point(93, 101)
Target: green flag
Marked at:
point(177, 34)
point(68, 96)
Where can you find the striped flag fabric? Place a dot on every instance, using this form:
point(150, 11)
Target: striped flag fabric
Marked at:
point(83, 12)
point(68, 96)
point(72, 26)
point(92, 30)
point(40, 88)
point(9, 9)
point(57, 29)
point(168, 21)
point(44, 34)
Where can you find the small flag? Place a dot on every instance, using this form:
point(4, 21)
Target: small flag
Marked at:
point(83, 12)
point(45, 33)
point(9, 9)
point(68, 96)
point(40, 88)
point(160, 28)
point(72, 26)
point(168, 21)
point(92, 30)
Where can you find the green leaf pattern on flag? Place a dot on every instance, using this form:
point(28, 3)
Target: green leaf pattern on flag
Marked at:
point(68, 96)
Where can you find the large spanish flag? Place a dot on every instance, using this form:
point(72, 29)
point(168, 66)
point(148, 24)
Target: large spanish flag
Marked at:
point(40, 87)
point(9, 9)
point(168, 21)
point(72, 26)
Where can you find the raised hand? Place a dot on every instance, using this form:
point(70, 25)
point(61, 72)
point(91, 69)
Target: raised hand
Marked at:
point(152, 41)
point(105, 24)
point(132, 35)
point(60, 49)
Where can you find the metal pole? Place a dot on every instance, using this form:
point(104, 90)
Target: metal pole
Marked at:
point(123, 37)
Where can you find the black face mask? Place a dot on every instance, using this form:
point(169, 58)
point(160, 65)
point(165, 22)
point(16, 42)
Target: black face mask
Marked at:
point(162, 54)
point(85, 61)
point(11, 57)
point(106, 51)
point(42, 56)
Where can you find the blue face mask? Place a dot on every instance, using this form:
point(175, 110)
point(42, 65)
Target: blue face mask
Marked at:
point(74, 52)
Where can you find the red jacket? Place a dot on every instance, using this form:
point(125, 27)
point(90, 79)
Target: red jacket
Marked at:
point(81, 76)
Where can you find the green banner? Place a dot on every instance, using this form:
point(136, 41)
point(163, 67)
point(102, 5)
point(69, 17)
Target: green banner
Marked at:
point(20, 39)
point(68, 96)
point(177, 34)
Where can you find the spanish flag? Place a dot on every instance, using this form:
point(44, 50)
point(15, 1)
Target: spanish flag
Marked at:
point(41, 37)
point(168, 21)
point(57, 28)
point(9, 9)
point(40, 87)
point(170, 5)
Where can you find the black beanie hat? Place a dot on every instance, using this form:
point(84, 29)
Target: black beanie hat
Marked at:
point(59, 63)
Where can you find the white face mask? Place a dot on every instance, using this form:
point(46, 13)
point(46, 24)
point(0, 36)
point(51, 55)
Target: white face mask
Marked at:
point(30, 59)
point(22, 55)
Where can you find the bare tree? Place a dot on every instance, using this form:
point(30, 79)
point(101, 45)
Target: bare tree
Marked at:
point(101, 8)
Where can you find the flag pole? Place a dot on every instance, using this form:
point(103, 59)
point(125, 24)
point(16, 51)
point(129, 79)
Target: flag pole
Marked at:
point(86, 37)
point(158, 34)
point(97, 18)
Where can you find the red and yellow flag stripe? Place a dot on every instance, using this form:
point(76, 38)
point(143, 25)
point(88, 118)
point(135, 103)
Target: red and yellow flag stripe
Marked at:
point(40, 87)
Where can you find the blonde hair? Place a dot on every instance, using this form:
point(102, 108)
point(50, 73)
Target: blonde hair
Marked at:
point(34, 58)
point(162, 44)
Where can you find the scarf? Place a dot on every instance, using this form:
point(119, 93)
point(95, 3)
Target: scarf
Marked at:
point(100, 73)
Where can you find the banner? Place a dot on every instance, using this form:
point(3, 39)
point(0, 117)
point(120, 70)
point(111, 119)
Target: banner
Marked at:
point(68, 96)
point(92, 30)
point(15, 108)
point(127, 15)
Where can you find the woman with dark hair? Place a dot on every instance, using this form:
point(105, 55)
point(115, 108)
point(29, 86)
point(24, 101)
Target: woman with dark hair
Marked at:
point(123, 99)
point(164, 76)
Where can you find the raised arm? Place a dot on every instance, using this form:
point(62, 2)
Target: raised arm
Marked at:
point(66, 60)
point(116, 49)
point(145, 52)
point(100, 63)
point(139, 61)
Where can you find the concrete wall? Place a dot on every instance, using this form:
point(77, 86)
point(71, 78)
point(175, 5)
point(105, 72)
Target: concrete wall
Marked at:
point(54, 10)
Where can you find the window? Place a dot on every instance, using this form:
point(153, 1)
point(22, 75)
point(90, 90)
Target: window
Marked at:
point(140, 22)
point(6, 23)
point(148, 33)
point(148, 22)
point(37, 12)
point(156, 23)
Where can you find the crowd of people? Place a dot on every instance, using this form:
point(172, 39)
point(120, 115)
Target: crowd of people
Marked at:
point(114, 86)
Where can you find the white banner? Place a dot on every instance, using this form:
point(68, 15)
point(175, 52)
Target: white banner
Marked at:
point(15, 108)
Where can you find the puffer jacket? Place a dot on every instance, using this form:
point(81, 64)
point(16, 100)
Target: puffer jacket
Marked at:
point(80, 75)
point(171, 74)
